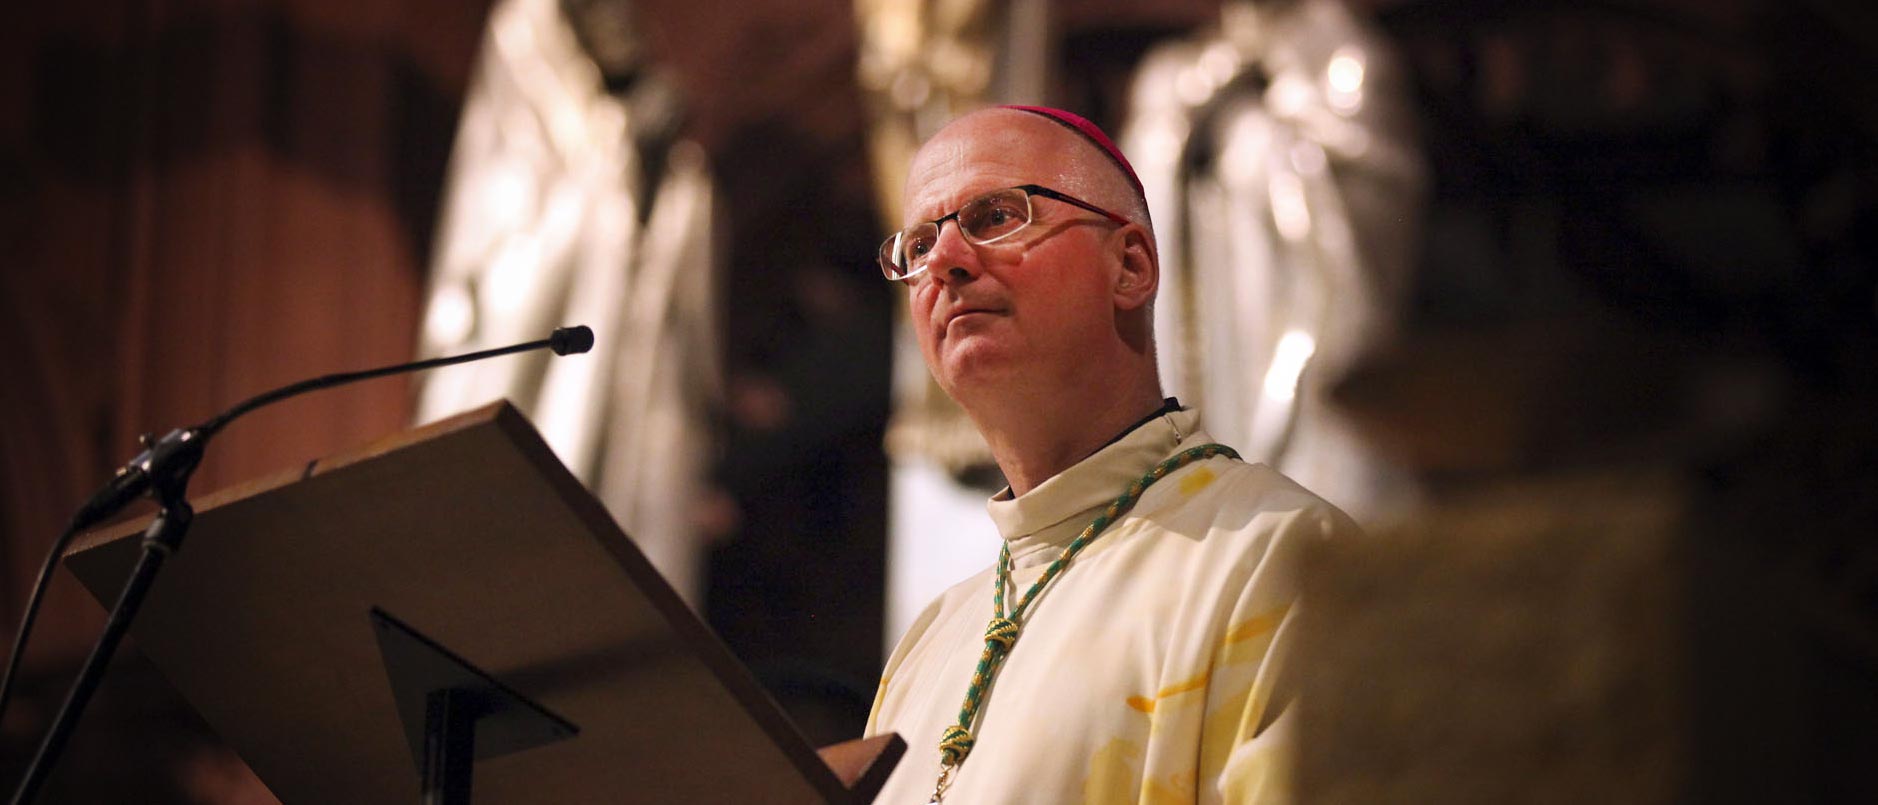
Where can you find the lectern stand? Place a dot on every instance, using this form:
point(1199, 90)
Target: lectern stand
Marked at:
point(473, 534)
point(454, 713)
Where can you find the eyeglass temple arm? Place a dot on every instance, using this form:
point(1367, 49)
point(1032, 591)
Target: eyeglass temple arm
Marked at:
point(1040, 190)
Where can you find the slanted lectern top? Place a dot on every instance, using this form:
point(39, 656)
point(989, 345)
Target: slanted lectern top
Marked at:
point(470, 530)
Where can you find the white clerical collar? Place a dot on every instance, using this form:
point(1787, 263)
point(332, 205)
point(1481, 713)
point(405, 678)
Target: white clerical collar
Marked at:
point(1055, 511)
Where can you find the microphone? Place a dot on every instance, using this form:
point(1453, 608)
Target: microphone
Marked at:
point(571, 340)
point(163, 470)
point(179, 451)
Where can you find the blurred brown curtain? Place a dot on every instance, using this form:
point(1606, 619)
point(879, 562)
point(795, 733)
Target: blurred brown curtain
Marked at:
point(200, 201)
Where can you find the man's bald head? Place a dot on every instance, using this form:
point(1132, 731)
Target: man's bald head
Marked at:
point(1044, 333)
point(1090, 132)
point(1068, 288)
point(1083, 167)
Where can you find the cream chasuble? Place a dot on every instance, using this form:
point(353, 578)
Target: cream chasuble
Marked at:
point(1152, 670)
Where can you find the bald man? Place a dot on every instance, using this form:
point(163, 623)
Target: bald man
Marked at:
point(1129, 643)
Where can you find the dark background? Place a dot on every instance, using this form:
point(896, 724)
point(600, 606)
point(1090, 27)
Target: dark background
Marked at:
point(202, 200)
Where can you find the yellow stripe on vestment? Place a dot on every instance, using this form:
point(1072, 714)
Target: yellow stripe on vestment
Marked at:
point(1146, 705)
point(1200, 478)
point(1256, 626)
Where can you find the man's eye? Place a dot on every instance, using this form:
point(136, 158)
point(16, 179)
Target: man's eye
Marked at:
point(994, 219)
point(918, 248)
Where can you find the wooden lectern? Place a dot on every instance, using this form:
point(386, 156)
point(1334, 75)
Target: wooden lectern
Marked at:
point(470, 531)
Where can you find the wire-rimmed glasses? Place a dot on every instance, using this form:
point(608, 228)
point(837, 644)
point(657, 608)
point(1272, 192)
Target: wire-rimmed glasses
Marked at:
point(991, 217)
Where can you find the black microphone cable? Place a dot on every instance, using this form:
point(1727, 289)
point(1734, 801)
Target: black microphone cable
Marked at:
point(181, 450)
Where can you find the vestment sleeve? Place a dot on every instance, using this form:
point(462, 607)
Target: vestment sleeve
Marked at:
point(1251, 725)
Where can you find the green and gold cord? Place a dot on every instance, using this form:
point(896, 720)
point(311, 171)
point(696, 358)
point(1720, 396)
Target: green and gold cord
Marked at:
point(1002, 633)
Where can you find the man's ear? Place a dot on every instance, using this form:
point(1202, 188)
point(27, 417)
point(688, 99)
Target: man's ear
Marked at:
point(1140, 269)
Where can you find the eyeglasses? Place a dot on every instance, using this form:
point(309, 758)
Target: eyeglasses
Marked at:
point(989, 218)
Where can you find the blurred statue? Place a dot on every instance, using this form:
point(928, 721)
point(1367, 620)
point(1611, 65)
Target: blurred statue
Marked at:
point(1285, 183)
point(571, 200)
point(921, 64)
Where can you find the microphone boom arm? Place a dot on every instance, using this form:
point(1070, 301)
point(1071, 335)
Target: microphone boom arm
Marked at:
point(163, 470)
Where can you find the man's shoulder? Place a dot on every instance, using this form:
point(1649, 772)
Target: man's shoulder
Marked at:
point(969, 591)
point(1235, 495)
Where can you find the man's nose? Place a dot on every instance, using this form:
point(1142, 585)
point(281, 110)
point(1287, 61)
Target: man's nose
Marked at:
point(953, 259)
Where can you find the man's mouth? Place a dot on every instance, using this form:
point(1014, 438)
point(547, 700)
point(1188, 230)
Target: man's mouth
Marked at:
point(968, 317)
point(969, 311)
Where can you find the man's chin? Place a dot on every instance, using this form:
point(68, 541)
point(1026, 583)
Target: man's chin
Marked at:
point(974, 362)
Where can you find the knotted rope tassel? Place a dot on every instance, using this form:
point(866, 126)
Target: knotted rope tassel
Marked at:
point(1000, 635)
point(954, 745)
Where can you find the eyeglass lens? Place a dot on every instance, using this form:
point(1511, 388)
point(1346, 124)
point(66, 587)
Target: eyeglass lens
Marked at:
point(981, 220)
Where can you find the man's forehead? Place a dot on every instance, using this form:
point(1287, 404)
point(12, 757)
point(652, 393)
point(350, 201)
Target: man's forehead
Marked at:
point(996, 130)
point(985, 151)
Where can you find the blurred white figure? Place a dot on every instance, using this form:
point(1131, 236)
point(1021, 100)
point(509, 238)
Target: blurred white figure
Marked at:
point(569, 201)
point(1285, 184)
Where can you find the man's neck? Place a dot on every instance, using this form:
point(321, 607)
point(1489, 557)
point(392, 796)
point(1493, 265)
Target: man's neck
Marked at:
point(1033, 442)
